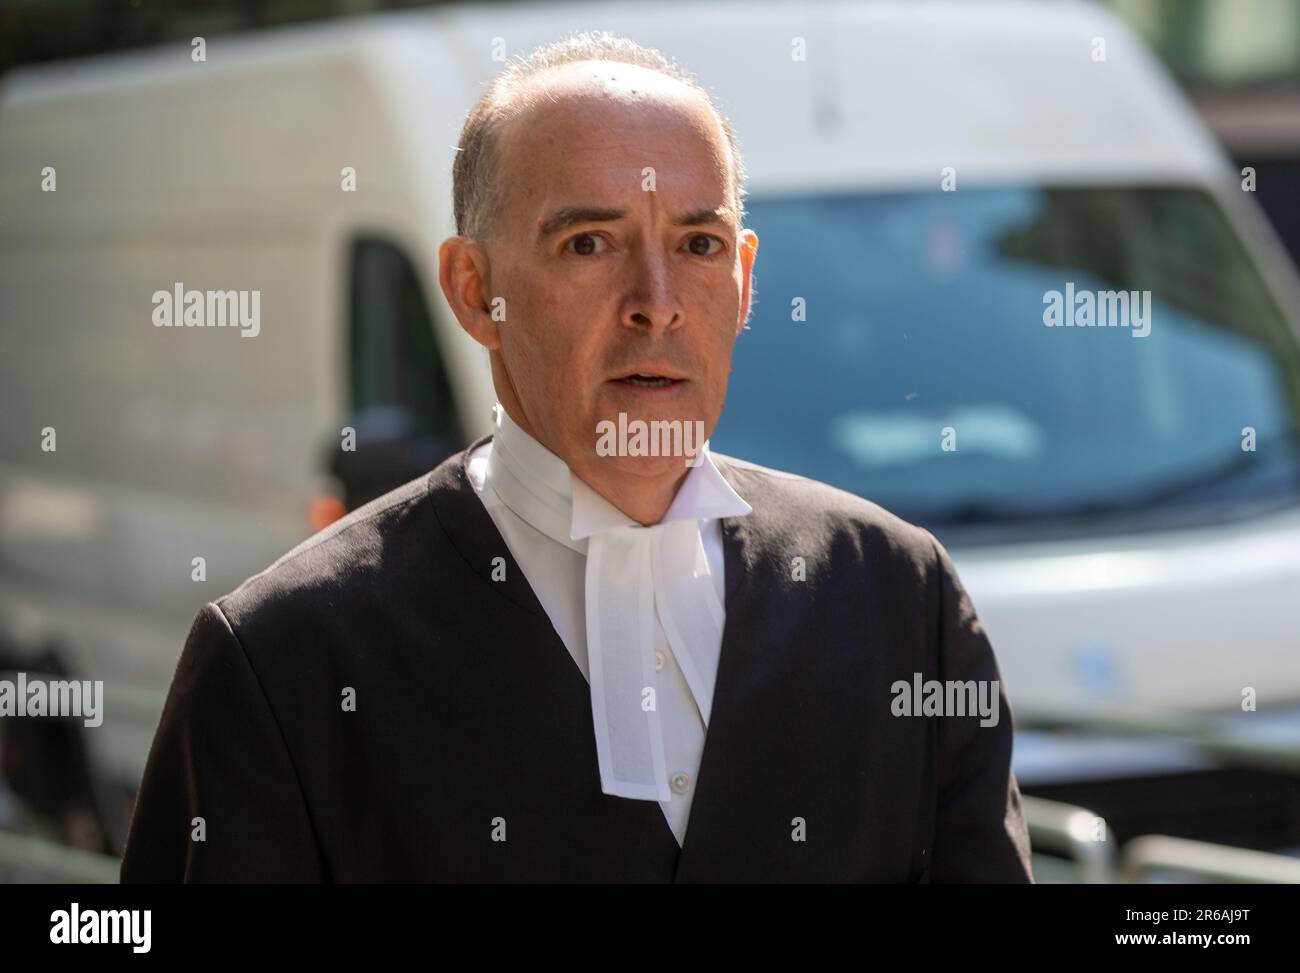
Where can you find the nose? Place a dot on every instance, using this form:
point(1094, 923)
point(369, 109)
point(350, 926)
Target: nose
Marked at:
point(652, 305)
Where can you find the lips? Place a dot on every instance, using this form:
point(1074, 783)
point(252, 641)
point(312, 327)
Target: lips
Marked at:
point(650, 377)
point(649, 381)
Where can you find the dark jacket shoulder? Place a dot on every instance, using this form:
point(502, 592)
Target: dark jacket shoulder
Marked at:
point(358, 552)
point(795, 513)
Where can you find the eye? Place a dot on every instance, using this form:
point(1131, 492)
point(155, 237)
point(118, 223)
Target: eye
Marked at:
point(585, 244)
point(703, 238)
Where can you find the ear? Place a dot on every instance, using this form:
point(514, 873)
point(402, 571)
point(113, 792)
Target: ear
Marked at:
point(748, 242)
point(464, 273)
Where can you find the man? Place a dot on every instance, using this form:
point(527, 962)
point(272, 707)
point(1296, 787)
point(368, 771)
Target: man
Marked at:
point(564, 654)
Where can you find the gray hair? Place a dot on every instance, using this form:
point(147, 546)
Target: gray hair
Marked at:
point(477, 188)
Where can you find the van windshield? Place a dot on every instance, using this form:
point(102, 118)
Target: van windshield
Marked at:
point(900, 348)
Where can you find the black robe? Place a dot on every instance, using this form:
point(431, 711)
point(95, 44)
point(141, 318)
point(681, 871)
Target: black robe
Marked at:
point(469, 721)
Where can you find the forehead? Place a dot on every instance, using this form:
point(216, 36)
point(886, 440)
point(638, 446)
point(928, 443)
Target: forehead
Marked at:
point(595, 127)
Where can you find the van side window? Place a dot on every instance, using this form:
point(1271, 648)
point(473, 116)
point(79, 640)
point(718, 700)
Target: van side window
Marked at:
point(401, 398)
point(394, 356)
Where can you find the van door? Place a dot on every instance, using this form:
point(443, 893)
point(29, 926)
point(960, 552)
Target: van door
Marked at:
point(402, 408)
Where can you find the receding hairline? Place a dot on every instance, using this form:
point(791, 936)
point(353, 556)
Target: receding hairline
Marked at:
point(690, 103)
point(589, 77)
point(540, 80)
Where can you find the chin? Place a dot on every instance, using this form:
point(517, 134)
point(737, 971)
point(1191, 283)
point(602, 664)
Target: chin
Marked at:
point(649, 441)
point(650, 467)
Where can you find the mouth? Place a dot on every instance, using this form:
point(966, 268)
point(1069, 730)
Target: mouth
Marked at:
point(650, 378)
point(650, 381)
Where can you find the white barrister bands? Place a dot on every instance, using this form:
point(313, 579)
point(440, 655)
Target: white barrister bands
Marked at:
point(637, 580)
point(628, 601)
point(620, 652)
point(687, 603)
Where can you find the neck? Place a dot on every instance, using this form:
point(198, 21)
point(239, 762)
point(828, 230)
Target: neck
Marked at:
point(645, 497)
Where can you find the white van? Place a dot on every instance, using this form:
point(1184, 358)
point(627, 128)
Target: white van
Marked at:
point(922, 176)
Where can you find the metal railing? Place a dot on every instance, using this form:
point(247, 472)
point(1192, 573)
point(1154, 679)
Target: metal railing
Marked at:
point(1072, 833)
point(1214, 863)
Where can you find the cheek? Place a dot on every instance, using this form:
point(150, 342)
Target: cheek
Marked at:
point(532, 324)
point(554, 346)
point(722, 339)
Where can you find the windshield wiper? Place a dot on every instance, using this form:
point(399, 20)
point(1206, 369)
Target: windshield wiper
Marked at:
point(1234, 466)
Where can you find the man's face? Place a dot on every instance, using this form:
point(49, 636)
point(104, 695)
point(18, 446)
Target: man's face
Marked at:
point(618, 254)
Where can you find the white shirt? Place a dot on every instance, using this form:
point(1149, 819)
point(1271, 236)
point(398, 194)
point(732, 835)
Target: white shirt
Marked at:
point(550, 519)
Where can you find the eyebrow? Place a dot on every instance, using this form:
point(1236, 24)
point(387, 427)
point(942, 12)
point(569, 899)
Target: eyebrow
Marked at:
point(569, 216)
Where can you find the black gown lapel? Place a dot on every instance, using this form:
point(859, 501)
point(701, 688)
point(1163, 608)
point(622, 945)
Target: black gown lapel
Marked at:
point(473, 533)
point(715, 806)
